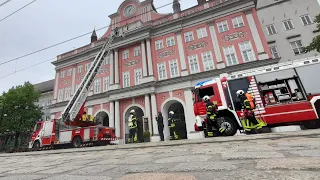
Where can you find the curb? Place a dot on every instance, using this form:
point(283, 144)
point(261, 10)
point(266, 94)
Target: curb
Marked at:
point(272, 136)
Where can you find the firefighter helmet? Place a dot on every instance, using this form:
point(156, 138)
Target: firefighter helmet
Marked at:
point(132, 111)
point(171, 113)
point(206, 98)
point(240, 93)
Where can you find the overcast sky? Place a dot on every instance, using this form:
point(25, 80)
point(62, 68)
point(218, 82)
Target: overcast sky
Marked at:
point(47, 22)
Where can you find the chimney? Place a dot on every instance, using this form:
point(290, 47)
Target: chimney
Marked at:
point(176, 6)
point(201, 2)
point(94, 36)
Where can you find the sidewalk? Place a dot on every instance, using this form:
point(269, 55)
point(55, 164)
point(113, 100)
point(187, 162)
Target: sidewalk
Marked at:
point(315, 132)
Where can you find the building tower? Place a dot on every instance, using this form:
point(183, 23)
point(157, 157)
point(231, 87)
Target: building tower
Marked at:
point(94, 36)
point(176, 6)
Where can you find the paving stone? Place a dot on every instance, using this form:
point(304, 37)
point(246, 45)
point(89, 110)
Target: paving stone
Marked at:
point(157, 176)
point(251, 155)
point(75, 177)
point(24, 170)
point(141, 168)
point(302, 163)
point(204, 166)
point(60, 169)
point(23, 177)
point(307, 153)
point(93, 170)
point(178, 159)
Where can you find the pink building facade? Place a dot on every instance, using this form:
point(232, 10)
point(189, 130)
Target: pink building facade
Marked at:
point(154, 68)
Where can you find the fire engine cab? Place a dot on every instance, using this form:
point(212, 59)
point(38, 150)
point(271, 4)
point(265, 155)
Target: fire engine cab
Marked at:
point(285, 93)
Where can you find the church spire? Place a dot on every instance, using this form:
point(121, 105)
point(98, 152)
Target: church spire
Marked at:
point(94, 36)
point(176, 6)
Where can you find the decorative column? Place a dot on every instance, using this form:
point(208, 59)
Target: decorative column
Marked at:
point(111, 118)
point(56, 84)
point(184, 71)
point(154, 114)
point(150, 66)
point(256, 37)
point(216, 47)
point(148, 111)
point(116, 66)
point(117, 118)
point(144, 59)
point(74, 70)
point(111, 68)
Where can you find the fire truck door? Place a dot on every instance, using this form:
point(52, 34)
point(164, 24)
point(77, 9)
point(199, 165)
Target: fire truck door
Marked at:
point(47, 133)
point(234, 86)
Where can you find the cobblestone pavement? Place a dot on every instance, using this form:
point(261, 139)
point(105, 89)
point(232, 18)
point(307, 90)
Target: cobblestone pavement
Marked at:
point(291, 156)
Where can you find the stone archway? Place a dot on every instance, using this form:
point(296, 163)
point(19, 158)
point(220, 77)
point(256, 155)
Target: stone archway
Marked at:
point(139, 114)
point(177, 106)
point(102, 118)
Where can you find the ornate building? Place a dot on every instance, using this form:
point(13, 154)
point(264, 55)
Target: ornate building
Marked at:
point(154, 68)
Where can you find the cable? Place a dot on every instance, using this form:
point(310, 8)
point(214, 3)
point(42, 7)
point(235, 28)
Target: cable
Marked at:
point(17, 10)
point(65, 42)
point(2, 4)
point(77, 37)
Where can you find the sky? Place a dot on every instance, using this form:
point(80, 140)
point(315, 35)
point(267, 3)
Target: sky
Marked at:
point(47, 22)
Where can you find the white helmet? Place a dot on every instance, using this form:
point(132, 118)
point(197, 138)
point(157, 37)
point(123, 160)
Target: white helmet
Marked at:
point(132, 111)
point(171, 112)
point(240, 92)
point(206, 98)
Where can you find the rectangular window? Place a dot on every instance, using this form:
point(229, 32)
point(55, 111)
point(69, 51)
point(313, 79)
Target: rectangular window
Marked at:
point(67, 94)
point(275, 52)
point(106, 83)
point(137, 51)
point(126, 79)
point(288, 25)
point(188, 36)
point(159, 44)
point(202, 33)
point(230, 55)
point(207, 61)
point(237, 22)
point(193, 63)
point(106, 60)
point(223, 26)
point(137, 76)
point(271, 29)
point(97, 86)
point(306, 20)
point(60, 95)
point(297, 47)
point(87, 67)
point(162, 71)
point(174, 70)
point(170, 41)
point(62, 74)
point(246, 51)
point(69, 73)
point(125, 54)
point(80, 69)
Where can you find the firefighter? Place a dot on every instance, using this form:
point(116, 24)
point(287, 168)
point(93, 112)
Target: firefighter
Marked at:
point(132, 123)
point(248, 105)
point(212, 110)
point(172, 127)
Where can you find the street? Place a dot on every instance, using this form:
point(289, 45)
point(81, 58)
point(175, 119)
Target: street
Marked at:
point(291, 155)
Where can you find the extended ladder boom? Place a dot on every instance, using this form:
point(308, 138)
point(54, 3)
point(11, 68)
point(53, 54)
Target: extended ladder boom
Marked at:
point(81, 94)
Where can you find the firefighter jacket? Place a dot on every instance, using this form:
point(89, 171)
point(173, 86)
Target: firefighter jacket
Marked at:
point(132, 121)
point(247, 101)
point(171, 123)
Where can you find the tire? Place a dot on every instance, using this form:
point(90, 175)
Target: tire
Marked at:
point(231, 126)
point(36, 146)
point(76, 142)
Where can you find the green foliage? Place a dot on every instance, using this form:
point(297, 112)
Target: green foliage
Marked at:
point(315, 44)
point(18, 108)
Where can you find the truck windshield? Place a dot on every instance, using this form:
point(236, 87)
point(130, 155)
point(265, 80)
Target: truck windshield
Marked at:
point(36, 127)
point(201, 92)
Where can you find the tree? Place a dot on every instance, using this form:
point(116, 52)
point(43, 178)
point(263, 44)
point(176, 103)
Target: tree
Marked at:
point(315, 44)
point(19, 106)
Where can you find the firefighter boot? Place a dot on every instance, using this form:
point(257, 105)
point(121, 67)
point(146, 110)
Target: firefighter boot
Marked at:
point(176, 137)
point(245, 124)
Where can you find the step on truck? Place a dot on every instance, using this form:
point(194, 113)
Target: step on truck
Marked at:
point(75, 127)
point(285, 93)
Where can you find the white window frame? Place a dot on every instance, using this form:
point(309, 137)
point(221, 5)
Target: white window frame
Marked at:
point(62, 74)
point(188, 36)
point(288, 23)
point(193, 68)
point(223, 26)
point(300, 49)
point(126, 79)
point(162, 71)
point(275, 29)
point(208, 63)
point(246, 47)
point(97, 86)
point(106, 83)
point(237, 22)
point(226, 53)
point(137, 51)
point(67, 93)
point(106, 60)
point(80, 69)
point(159, 44)
point(170, 41)
point(304, 17)
point(174, 68)
point(137, 76)
point(87, 67)
point(69, 72)
point(125, 54)
point(60, 95)
point(272, 48)
point(202, 32)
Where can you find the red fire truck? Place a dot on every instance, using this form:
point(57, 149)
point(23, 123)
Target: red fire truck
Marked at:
point(76, 127)
point(285, 93)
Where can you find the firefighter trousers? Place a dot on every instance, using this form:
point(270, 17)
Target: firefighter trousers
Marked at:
point(173, 134)
point(133, 135)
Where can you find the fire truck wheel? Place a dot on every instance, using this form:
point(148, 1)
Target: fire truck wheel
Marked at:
point(76, 142)
point(230, 125)
point(36, 145)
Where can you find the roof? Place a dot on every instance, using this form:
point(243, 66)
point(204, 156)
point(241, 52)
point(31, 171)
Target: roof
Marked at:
point(45, 86)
